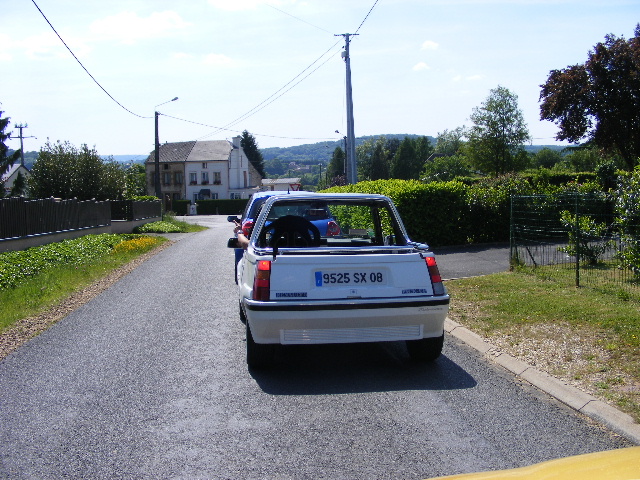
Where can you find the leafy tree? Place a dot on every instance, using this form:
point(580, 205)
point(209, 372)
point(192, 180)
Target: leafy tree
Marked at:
point(136, 179)
point(336, 165)
point(547, 158)
point(6, 160)
point(403, 165)
point(63, 171)
point(275, 166)
point(497, 137)
point(379, 163)
point(444, 169)
point(250, 147)
point(599, 100)
point(450, 142)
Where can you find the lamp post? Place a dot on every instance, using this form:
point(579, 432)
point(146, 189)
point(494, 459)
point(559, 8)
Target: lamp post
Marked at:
point(156, 176)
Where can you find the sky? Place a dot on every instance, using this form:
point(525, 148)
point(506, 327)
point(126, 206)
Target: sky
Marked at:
point(275, 67)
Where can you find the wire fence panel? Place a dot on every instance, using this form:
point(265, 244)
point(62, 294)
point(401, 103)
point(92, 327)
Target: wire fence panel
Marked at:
point(574, 238)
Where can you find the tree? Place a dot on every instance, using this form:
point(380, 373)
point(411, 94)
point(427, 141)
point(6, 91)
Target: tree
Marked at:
point(19, 186)
point(63, 171)
point(547, 158)
point(497, 137)
point(250, 147)
point(443, 169)
point(599, 100)
point(335, 169)
point(136, 180)
point(450, 142)
point(6, 160)
point(404, 161)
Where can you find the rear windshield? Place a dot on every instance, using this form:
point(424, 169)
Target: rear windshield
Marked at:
point(332, 223)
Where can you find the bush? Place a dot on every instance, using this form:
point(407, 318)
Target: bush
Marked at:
point(158, 227)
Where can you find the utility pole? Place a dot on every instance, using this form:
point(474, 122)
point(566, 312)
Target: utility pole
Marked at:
point(352, 172)
point(156, 152)
point(20, 127)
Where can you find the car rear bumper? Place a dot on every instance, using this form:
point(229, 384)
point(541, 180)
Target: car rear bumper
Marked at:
point(352, 321)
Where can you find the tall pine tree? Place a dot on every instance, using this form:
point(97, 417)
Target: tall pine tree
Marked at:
point(250, 147)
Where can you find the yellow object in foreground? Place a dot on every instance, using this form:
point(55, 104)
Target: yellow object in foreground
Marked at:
point(622, 464)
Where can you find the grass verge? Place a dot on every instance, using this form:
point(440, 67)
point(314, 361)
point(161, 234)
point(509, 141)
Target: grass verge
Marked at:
point(588, 337)
point(53, 284)
point(169, 224)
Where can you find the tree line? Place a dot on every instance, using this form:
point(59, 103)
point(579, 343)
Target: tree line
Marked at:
point(595, 105)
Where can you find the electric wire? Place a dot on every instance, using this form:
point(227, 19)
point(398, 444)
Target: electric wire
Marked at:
point(273, 97)
point(83, 67)
point(297, 18)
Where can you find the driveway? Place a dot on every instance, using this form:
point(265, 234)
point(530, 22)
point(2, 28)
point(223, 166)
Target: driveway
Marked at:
point(472, 260)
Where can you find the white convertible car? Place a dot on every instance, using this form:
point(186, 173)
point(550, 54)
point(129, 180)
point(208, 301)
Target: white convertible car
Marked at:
point(365, 281)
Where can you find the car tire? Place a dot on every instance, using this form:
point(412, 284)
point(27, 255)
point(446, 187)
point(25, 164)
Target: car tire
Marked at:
point(425, 349)
point(243, 316)
point(259, 355)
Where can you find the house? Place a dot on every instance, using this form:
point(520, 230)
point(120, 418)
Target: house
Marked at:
point(203, 170)
point(9, 178)
point(286, 184)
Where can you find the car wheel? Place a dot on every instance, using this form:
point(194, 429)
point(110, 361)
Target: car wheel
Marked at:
point(243, 317)
point(425, 349)
point(259, 355)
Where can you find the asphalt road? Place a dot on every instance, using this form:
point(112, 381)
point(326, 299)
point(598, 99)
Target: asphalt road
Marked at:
point(149, 380)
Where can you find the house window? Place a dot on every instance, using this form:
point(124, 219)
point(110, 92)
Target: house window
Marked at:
point(236, 196)
point(179, 178)
point(193, 178)
point(205, 178)
point(244, 173)
point(214, 196)
point(165, 166)
point(204, 164)
point(217, 178)
point(166, 178)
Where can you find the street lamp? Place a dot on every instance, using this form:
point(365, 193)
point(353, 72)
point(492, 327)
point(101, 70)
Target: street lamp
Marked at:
point(157, 152)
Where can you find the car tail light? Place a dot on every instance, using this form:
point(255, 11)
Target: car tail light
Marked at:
point(262, 281)
point(333, 229)
point(434, 273)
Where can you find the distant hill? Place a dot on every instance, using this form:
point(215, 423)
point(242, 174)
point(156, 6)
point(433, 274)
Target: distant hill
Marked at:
point(321, 152)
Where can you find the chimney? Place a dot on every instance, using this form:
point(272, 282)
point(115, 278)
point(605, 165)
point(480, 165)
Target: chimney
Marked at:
point(236, 141)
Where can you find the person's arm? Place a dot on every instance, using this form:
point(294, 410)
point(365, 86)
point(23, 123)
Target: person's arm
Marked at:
point(243, 241)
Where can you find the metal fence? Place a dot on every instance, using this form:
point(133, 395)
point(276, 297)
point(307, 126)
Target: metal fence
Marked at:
point(573, 238)
point(20, 217)
point(133, 210)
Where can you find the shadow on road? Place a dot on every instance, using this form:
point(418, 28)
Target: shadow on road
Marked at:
point(356, 368)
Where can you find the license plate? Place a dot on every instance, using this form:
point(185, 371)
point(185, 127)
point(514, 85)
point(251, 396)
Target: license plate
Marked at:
point(350, 277)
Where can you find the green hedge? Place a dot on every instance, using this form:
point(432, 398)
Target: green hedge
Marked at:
point(221, 207)
point(432, 212)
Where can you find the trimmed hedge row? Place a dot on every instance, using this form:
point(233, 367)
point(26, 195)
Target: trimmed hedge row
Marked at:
point(453, 213)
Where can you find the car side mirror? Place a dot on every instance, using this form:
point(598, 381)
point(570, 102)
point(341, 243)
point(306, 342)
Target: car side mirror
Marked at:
point(233, 243)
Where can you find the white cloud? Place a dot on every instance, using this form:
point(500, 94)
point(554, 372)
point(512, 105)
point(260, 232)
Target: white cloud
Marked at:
point(217, 60)
point(418, 67)
point(128, 27)
point(237, 5)
point(429, 45)
point(47, 45)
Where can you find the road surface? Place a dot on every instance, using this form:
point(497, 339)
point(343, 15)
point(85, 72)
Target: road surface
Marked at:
point(149, 381)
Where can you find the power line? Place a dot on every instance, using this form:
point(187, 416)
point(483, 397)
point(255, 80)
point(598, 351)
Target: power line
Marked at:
point(293, 16)
point(83, 67)
point(273, 97)
point(367, 16)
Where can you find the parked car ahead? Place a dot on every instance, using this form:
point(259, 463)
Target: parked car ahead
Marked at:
point(298, 285)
